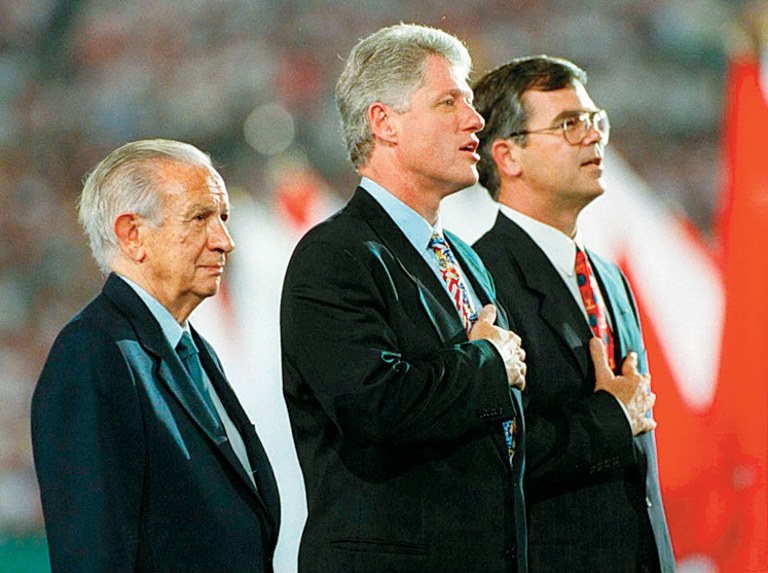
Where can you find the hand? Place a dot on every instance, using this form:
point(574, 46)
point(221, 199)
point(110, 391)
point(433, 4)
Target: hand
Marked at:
point(632, 389)
point(505, 341)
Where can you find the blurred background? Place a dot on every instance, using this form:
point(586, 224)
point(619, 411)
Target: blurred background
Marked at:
point(251, 82)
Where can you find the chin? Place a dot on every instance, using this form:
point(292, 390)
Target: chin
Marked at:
point(211, 289)
point(465, 182)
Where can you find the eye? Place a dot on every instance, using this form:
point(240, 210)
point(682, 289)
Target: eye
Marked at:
point(225, 217)
point(571, 123)
point(448, 102)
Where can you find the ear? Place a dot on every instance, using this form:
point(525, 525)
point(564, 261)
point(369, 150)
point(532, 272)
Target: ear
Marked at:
point(382, 120)
point(129, 237)
point(506, 156)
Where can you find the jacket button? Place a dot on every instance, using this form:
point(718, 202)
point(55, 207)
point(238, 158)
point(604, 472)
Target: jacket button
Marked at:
point(648, 502)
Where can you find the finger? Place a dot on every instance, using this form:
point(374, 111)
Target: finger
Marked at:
point(599, 357)
point(487, 314)
point(643, 425)
point(649, 424)
point(520, 381)
point(630, 364)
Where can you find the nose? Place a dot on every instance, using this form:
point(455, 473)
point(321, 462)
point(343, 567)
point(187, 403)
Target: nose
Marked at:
point(474, 121)
point(593, 134)
point(219, 238)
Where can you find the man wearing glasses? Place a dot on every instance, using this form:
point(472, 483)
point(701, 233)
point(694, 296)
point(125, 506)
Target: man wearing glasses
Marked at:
point(592, 486)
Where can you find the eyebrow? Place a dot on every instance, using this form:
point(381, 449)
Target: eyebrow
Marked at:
point(569, 113)
point(205, 207)
point(457, 93)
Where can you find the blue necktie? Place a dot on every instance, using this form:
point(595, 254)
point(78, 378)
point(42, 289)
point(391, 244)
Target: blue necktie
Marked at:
point(190, 358)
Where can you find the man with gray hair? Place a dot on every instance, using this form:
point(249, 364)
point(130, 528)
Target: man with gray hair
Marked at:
point(404, 396)
point(145, 458)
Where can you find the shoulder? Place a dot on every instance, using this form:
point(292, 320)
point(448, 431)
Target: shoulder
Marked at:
point(351, 238)
point(89, 341)
point(86, 369)
point(498, 246)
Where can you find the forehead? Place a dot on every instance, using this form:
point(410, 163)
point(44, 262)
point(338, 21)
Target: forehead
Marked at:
point(549, 104)
point(441, 76)
point(186, 182)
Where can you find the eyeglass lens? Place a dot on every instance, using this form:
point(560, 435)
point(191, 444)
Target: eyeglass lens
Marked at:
point(577, 127)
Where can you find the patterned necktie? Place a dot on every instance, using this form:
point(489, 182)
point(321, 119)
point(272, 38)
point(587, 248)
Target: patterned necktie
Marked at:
point(191, 359)
point(449, 269)
point(596, 313)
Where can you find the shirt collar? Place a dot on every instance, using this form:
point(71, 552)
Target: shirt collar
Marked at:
point(414, 226)
point(559, 247)
point(171, 329)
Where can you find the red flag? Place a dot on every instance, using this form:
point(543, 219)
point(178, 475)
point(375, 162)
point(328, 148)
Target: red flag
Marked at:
point(739, 431)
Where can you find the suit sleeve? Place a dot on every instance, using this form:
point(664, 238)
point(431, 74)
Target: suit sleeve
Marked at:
point(579, 440)
point(340, 335)
point(88, 444)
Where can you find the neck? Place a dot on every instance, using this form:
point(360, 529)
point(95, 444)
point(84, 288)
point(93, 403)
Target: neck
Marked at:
point(564, 218)
point(423, 199)
point(179, 309)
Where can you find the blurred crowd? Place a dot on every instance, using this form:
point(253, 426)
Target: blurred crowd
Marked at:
point(251, 82)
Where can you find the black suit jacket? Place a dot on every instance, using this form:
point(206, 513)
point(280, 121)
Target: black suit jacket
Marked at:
point(135, 475)
point(396, 415)
point(592, 490)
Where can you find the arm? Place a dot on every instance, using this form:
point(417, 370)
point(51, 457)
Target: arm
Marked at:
point(88, 445)
point(340, 323)
point(575, 440)
point(584, 436)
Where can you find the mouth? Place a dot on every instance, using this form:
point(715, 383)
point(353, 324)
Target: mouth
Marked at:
point(471, 147)
point(216, 269)
point(596, 161)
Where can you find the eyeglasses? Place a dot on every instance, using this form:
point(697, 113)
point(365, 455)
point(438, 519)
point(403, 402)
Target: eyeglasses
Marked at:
point(576, 127)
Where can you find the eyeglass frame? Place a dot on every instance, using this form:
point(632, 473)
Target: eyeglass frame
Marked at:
point(590, 122)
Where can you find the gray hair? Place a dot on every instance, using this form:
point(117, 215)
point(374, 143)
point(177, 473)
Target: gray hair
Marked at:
point(388, 66)
point(127, 181)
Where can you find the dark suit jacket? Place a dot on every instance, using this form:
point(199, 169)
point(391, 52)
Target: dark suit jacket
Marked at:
point(134, 473)
point(396, 415)
point(592, 490)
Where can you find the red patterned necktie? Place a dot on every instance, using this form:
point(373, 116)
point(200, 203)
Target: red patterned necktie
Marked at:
point(593, 304)
point(449, 269)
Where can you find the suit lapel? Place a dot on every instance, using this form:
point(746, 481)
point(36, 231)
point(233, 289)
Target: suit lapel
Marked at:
point(482, 282)
point(478, 275)
point(557, 307)
point(432, 295)
point(617, 304)
point(171, 371)
point(256, 455)
point(228, 400)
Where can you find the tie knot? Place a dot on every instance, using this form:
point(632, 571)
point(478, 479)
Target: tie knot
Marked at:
point(186, 346)
point(437, 241)
point(582, 263)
